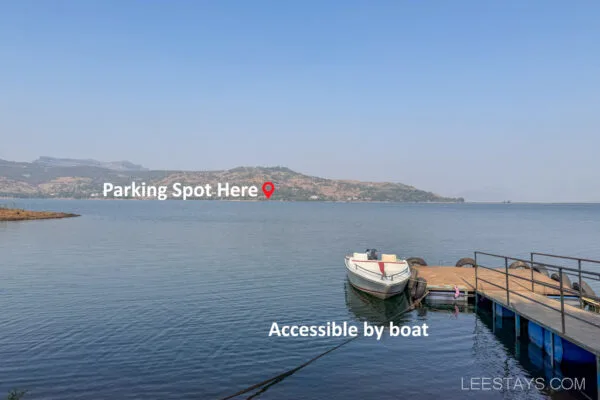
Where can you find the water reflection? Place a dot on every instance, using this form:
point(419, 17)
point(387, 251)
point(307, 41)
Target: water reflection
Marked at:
point(453, 309)
point(376, 311)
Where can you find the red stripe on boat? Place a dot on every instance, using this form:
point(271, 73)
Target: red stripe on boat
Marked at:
point(381, 267)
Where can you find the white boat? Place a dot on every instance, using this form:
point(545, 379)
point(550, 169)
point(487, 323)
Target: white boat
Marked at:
point(381, 277)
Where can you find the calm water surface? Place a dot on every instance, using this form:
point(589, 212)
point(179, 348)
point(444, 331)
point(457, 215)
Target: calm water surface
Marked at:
point(174, 300)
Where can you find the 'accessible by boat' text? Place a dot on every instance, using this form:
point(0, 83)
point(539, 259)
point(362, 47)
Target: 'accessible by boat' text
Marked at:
point(334, 329)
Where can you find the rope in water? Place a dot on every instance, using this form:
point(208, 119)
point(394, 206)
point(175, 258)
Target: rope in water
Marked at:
point(289, 372)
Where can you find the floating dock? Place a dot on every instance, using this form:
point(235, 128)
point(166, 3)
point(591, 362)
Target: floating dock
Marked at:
point(562, 321)
point(442, 279)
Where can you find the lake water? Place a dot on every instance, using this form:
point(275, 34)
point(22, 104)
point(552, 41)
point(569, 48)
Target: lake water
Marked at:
point(174, 300)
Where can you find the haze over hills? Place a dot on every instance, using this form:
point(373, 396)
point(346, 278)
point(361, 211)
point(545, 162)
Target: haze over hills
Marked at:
point(49, 177)
point(70, 162)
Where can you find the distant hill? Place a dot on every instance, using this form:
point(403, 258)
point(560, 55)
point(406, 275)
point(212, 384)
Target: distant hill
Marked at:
point(50, 177)
point(70, 162)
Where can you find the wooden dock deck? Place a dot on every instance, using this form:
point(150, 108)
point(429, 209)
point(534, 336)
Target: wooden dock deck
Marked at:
point(443, 279)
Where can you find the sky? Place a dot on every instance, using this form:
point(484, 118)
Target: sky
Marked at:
point(487, 100)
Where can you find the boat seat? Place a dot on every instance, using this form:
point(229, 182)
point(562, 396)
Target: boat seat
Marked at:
point(360, 256)
point(389, 257)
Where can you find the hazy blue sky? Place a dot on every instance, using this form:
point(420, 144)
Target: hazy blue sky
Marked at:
point(492, 100)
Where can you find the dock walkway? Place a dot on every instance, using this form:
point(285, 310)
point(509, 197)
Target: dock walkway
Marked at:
point(443, 279)
point(579, 332)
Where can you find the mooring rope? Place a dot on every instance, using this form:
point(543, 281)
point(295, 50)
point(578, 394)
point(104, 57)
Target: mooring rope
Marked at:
point(266, 383)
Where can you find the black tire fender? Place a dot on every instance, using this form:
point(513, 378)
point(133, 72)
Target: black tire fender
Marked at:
point(586, 289)
point(566, 281)
point(414, 274)
point(420, 288)
point(465, 261)
point(519, 265)
point(541, 269)
point(416, 261)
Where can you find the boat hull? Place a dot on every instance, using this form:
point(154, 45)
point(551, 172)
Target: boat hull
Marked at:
point(380, 288)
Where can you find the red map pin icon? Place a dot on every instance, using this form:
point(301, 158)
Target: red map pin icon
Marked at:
point(268, 188)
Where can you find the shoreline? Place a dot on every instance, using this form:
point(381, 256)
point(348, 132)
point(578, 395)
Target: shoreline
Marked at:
point(228, 200)
point(18, 214)
point(308, 201)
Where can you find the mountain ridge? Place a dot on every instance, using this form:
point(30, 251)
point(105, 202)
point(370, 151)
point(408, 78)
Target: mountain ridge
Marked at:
point(75, 162)
point(85, 180)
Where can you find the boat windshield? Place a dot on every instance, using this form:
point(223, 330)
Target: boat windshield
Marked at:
point(372, 254)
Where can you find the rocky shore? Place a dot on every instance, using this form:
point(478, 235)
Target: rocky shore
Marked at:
point(16, 214)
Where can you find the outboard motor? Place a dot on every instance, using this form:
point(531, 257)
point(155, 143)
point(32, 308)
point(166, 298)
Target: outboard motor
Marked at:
point(371, 254)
